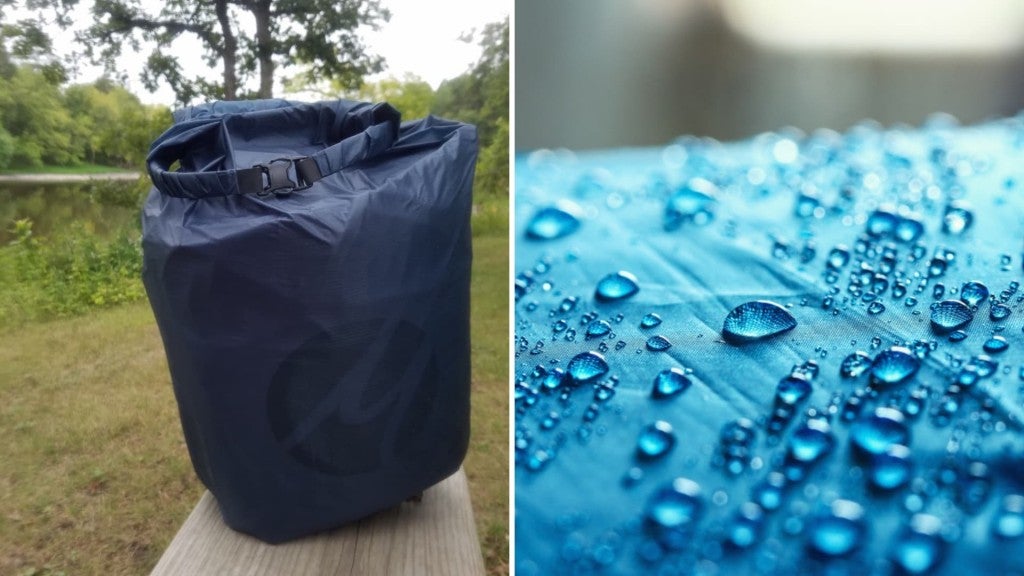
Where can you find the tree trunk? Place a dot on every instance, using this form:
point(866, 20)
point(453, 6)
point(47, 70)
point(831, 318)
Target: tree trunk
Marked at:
point(264, 48)
point(230, 51)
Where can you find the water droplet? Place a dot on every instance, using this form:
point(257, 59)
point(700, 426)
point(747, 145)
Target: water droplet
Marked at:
point(873, 434)
point(658, 344)
point(894, 366)
point(919, 546)
point(655, 440)
point(950, 315)
point(669, 383)
point(756, 320)
point(937, 267)
point(811, 441)
point(650, 320)
point(673, 510)
point(693, 202)
point(598, 328)
point(840, 531)
point(957, 219)
point(891, 469)
point(938, 290)
point(854, 365)
point(957, 336)
point(881, 223)
point(838, 256)
point(998, 312)
point(973, 293)
point(792, 390)
point(1008, 522)
point(616, 286)
point(553, 222)
point(746, 525)
point(908, 229)
point(769, 492)
point(995, 345)
point(553, 379)
point(876, 307)
point(586, 366)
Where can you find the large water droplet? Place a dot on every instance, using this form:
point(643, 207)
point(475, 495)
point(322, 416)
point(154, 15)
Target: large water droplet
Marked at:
point(950, 315)
point(616, 286)
point(553, 222)
point(1008, 522)
point(873, 434)
point(792, 390)
point(973, 293)
point(658, 344)
point(673, 510)
point(995, 345)
point(894, 366)
point(693, 202)
point(655, 440)
point(854, 365)
point(650, 320)
point(957, 219)
point(756, 320)
point(669, 383)
point(891, 469)
point(586, 366)
point(811, 441)
point(919, 547)
point(840, 531)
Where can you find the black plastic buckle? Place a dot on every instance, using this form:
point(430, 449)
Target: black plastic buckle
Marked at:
point(277, 179)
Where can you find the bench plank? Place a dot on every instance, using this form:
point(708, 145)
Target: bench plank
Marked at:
point(435, 536)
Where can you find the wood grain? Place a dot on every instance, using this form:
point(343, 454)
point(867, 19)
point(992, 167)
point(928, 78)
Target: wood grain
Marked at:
point(435, 536)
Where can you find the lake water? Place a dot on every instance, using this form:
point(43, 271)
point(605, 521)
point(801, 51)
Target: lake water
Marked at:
point(52, 207)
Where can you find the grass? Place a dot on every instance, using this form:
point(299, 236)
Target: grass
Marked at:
point(95, 476)
point(84, 168)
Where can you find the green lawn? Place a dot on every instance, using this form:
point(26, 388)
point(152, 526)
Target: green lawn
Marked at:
point(95, 478)
point(84, 168)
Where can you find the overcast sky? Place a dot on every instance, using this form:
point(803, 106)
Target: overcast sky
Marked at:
point(422, 38)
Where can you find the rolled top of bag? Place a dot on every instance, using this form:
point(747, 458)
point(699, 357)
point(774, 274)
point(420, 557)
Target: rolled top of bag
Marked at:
point(327, 137)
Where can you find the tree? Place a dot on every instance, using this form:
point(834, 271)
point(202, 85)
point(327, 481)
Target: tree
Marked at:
point(32, 112)
point(320, 34)
point(412, 96)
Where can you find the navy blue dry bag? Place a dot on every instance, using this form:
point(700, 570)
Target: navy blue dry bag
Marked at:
point(309, 267)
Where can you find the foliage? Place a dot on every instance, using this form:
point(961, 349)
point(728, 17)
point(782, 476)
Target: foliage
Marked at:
point(66, 274)
point(31, 111)
point(480, 97)
point(322, 35)
point(7, 145)
point(114, 127)
point(412, 96)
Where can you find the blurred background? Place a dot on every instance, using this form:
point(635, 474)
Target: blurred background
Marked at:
point(610, 73)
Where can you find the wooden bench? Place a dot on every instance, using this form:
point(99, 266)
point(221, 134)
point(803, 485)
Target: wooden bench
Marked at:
point(434, 536)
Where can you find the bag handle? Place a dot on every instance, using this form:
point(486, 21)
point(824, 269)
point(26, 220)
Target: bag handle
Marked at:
point(376, 130)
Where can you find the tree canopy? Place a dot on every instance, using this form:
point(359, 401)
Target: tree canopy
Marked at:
point(322, 35)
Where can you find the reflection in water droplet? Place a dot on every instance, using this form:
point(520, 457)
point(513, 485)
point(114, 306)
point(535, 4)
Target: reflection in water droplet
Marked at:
point(840, 531)
point(998, 311)
point(658, 344)
point(598, 328)
point(973, 293)
point(672, 511)
point(586, 366)
point(616, 286)
point(655, 440)
point(854, 365)
point(650, 320)
point(957, 219)
point(891, 469)
point(919, 547)
point(756, 320)
point(550, 223)
point(792, 390)
point(811, 441)
point(873, 434)
point(950, 315)
point(694, 202)
point(1008, 523)
point(669, 383)
point(894, 366)
point(995, 345)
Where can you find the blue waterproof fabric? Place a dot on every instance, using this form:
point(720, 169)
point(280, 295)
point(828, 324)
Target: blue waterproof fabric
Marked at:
point(705, 227)
point(318, 341)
